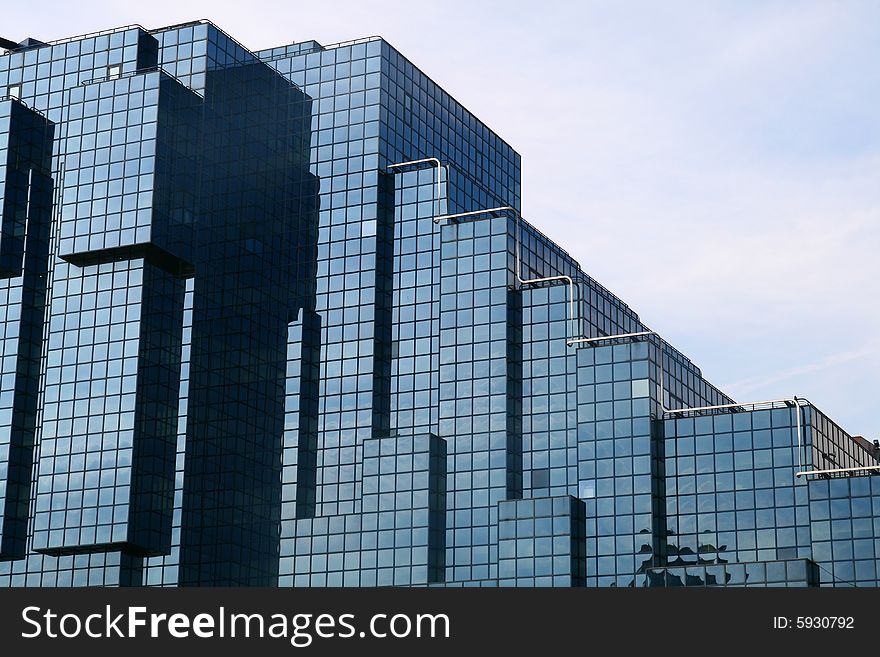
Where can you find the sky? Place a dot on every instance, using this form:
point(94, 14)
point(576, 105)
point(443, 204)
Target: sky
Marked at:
point(716, 164)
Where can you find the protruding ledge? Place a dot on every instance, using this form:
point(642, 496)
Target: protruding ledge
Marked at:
point(150, 252)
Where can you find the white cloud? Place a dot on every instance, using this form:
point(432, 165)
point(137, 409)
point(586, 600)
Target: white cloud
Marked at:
point(755, 383)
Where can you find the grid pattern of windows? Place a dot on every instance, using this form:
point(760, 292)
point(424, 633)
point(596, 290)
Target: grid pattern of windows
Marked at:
point(619, 472)
point(845, 530)
point(415, 347)
point(130, 177)
point(354, 250)
point(398, 537)
point(416, 119)
point(109, 400)
point(419, 119)
point(164, 569)
point(480, 389)
point(541, 542)
point(731, 493)
point(129, 142)
point(245, 350)
point(549, 412)
point(830, 447)
point(25, 212)
point(43, 76)
point(614, 460)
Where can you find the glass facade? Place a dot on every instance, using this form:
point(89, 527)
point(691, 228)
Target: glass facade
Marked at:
point(274, 318)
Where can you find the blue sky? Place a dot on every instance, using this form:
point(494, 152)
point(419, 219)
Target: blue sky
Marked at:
point(716, 164)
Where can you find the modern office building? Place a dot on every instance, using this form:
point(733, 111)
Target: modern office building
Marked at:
point(274, 318)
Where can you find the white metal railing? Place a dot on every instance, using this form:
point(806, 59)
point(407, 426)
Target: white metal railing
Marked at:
point(860, 468)
point(608, 337)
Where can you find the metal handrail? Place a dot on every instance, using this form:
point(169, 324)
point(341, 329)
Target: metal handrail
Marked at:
point(329, 46)
point(25, 104)
point(92, 35)
point(204, 21)
point(133, 74)
point(860, 468)
point(607, 337)
point(353, 42)
point(474, 213)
